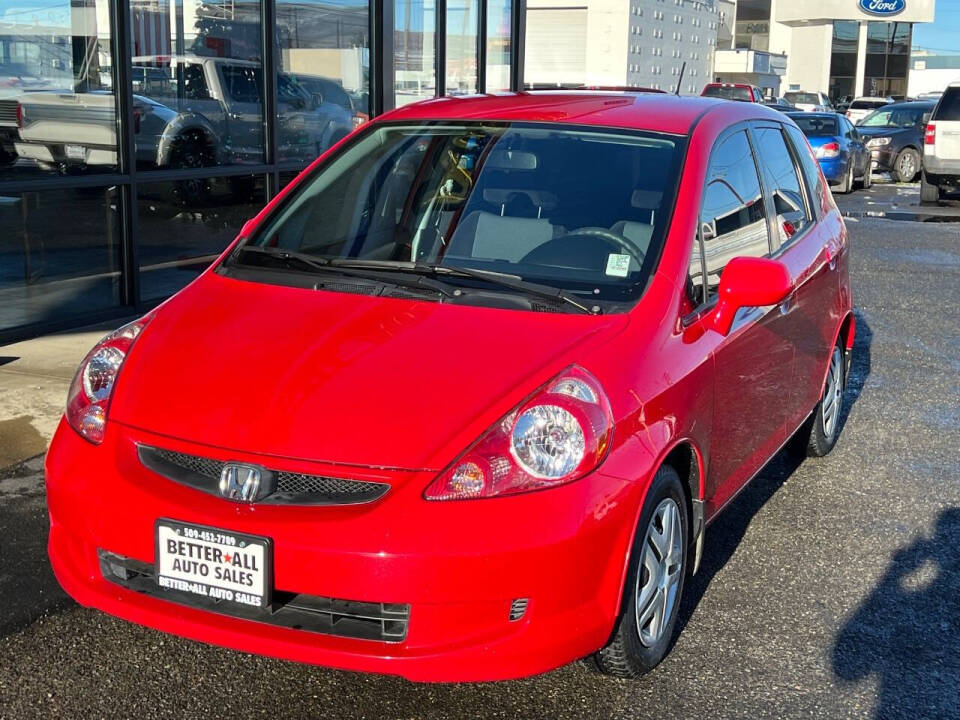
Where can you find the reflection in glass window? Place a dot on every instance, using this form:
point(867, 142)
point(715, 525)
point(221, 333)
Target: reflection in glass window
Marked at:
point(809, 165)
point(181, 231)
point(197, 84)
point(462, 26)
point(57, 108)
point(323, 82)
point(732, 219)
point(789, 200)
point(51, 269)
point(414, 51)
point(498, 45)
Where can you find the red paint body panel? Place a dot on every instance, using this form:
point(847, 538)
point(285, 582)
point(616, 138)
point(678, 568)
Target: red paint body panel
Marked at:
point(393, 390)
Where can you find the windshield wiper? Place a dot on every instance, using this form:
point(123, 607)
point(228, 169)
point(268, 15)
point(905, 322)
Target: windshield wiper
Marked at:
point(507, 280)
point(352, 268)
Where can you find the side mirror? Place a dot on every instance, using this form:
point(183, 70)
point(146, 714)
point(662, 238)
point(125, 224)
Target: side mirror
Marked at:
point(749, 282)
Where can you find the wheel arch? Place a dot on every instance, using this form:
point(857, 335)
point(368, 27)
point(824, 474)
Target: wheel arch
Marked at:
point(686, 458)
point(847, 331)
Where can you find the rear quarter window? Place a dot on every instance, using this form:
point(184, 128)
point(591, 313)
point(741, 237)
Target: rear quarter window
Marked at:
point(949, 107)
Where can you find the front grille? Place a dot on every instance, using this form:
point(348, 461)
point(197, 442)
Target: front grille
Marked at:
point(386, 622)
point(292, 488)
point(8, 113)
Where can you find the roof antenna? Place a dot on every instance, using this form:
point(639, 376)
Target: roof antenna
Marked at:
point(682, 68)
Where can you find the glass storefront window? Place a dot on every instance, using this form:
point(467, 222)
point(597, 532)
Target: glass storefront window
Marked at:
point(843, 60)
point(323, 77)
point(59, 254)
point(184, 225)
point(462, 28)
point(498, 45)
point(197, 83)
point(57, 107)
point(888, 54)
point(414, 50)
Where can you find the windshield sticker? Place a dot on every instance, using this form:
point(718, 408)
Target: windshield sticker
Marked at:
point(618, 265)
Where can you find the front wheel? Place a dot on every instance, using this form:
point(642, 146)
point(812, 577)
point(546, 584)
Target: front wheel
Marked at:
point(906, 165)
point(658, 566)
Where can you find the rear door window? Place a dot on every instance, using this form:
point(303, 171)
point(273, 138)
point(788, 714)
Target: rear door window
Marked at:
point(732, 217)
point(783, 180)
point(949, 107)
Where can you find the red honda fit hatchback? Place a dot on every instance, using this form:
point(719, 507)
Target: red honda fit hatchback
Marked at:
point(459, 403)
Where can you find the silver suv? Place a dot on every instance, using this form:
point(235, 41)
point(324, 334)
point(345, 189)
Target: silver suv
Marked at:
point(941, 147)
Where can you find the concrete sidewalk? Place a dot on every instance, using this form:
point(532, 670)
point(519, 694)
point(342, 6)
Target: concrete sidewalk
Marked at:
point(34, 378)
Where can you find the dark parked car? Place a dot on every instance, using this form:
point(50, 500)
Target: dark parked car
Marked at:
point(840, 150)
point(780, 104)
point(894, 134)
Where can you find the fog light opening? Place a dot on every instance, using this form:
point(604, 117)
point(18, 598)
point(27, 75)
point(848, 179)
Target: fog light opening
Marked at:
point(518, 608)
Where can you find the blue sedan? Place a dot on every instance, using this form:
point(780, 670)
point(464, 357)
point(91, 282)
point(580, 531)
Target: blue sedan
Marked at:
point(841, 151)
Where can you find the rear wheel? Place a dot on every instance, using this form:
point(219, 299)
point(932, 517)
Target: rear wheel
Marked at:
point(867, 180)
point(906, 165)
point(847, 184)
point(658, 565)
point(929, 193)
point(817, 436)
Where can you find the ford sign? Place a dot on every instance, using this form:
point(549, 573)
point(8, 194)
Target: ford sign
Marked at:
point(883, 7)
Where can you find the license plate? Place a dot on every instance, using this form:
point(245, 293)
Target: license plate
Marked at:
point(214, 564)
point(75, 152)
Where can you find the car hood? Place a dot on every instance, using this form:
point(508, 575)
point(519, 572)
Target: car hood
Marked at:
point(337, 377)
point(872, 132)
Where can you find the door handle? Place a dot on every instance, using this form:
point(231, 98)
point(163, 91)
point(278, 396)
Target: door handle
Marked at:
point(830, 252)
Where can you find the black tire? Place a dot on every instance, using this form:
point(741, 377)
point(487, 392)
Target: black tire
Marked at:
point(902, 171)
point(816, 438)
point(847, 185)
point(626, 655)
point(192, 149)
point(867, 180)
point(929, 193)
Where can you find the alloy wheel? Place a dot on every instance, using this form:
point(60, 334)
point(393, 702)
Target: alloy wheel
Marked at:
point(908, 167)
point(830, 407)
point(661, 565)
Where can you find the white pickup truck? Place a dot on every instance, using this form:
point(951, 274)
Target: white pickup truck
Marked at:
point(188, 111)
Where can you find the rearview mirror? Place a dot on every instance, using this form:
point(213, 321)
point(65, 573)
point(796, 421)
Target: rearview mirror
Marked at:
point(749, 282)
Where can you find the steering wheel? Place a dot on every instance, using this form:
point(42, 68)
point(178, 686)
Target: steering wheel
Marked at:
point(621, 241)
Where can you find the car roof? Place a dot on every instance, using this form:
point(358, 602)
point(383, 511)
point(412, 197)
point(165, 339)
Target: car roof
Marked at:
point(911, 104)
point(655, 112)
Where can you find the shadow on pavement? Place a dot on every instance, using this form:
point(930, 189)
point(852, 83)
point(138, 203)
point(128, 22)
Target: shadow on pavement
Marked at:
point(907, 632)
point(28, 588)
point(724, 535)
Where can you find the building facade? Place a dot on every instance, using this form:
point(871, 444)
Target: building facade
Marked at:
point(845, 48)
point(136, 136)
point(634, 43)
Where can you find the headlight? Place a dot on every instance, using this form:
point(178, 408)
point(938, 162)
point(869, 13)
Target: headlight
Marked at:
point(554, 437)
point(89, 398)
point(878, 142)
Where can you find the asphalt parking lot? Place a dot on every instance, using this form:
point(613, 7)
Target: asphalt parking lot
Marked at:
point(828, 589)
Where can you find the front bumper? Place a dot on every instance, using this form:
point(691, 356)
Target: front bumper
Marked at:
point(882, 159)
point(458, 566)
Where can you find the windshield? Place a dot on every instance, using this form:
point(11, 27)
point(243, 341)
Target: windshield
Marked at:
point(868, 104)
point(802, 98)
point(816, 125)
point(728, 93)
point(893, 117)
point(579, 210)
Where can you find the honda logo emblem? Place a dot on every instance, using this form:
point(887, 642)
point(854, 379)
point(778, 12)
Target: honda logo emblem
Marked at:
point(243, 482)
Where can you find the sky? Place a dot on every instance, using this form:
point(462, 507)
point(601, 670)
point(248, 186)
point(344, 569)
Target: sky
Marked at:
point(942, 33)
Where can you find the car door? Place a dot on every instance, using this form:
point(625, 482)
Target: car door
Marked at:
point(753, 362)
point(811, 255)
